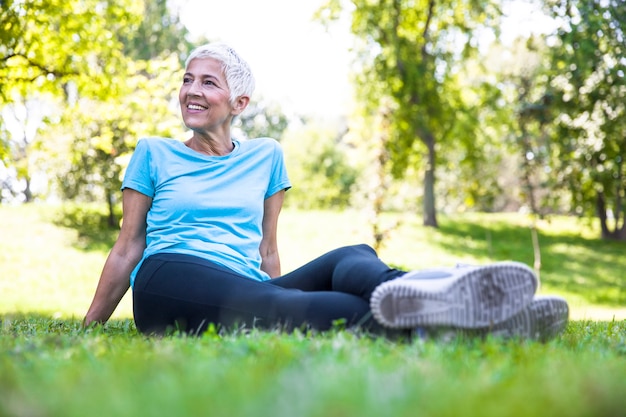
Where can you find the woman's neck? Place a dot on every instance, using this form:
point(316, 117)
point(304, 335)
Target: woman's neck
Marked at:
point(210, 146)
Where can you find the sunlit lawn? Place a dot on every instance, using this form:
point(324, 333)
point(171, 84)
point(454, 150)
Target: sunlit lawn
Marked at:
point(47, 268)
point(50, 366)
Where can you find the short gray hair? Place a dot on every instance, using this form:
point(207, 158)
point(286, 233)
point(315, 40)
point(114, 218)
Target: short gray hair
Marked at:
point(237, 72)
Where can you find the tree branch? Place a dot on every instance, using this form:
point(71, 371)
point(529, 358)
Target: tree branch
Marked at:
point(426, 31)
point(41, 67)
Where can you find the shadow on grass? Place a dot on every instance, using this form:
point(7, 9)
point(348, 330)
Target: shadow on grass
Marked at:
point(91, 224)
point(592, 268)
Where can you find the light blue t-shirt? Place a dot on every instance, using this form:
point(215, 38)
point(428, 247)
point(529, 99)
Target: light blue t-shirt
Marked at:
point(207, 206)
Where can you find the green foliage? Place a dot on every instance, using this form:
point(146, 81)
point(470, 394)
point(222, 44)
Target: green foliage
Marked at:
point(318, 167)
point(46, 44)
point(160, 34)
point(54, 49)
point(91, 223)
point(4, 143)
point(16, 145)
point(110, 71)
point(471, 160)
point(114, 68)
point(524, 123)
point(262, 119)
point(410, 57)
point(44, 54)
point(99, 136)
point(587, 92)
point(543, 128)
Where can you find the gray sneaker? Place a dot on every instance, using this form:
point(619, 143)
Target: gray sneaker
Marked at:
point(466, 297)
point(544, 318)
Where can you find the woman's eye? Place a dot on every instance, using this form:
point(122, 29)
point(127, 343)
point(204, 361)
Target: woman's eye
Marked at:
point(186, 80)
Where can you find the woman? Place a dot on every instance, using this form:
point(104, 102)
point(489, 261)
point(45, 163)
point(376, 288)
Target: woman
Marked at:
point(198, 241)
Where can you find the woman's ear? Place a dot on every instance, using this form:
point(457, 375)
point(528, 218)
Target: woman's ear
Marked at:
point(240, 104)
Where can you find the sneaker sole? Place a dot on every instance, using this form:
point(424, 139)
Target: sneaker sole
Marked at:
point(482, 297)
point(543, 319)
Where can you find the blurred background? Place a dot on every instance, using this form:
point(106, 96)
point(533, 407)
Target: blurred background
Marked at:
point(414, 108)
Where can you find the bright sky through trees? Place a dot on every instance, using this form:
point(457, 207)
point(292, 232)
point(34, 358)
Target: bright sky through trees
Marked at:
point(296, 61)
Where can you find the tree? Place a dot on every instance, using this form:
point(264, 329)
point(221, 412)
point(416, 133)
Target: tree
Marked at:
point(93, 140)
point(262, 119)
point(105, 138)
point(526, 124)
point(45, 44)
point(122, 88)
point(318, 167)
point(587, 94)
point(25, 117)
point(56, 48)
point(411, 52)
point(160, 34)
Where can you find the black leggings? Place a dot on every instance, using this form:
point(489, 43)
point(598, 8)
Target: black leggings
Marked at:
point(187, 293)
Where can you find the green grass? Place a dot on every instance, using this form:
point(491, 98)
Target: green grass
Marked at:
point(53, 368)
point(50, 366)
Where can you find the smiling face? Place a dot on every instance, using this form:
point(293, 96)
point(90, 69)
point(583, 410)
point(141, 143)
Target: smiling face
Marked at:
point(205, 97)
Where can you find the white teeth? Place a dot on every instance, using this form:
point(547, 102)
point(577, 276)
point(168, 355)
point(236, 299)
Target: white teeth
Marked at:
point(195, 107)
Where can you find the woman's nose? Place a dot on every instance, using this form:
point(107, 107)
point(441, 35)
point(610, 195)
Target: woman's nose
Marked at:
point(193, 89)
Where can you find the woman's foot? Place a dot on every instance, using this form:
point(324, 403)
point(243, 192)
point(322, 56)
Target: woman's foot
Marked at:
point(469, 297)
point(544, 318)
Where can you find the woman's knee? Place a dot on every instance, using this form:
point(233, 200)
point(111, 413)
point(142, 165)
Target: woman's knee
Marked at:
point(359, 249)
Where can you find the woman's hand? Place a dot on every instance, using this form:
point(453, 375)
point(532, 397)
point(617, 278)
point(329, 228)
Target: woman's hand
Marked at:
point(270, 260)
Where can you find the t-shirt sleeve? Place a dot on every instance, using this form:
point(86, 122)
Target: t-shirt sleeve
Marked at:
point(279, 179)
point(138, 174)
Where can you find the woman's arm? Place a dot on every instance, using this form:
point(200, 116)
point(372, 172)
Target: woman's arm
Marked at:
point(270, 261)
point(124, 256)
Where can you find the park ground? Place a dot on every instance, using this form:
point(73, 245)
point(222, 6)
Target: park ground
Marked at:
point(51, 366)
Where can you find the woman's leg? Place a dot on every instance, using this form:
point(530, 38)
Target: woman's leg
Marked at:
point(354, 270)
point(187, 293)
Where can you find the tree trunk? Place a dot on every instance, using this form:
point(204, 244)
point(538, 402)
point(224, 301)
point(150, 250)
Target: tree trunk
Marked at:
point(601, 211)
point(111, 219)
point(28, 193)
point(430, 213)
point(619, 232)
